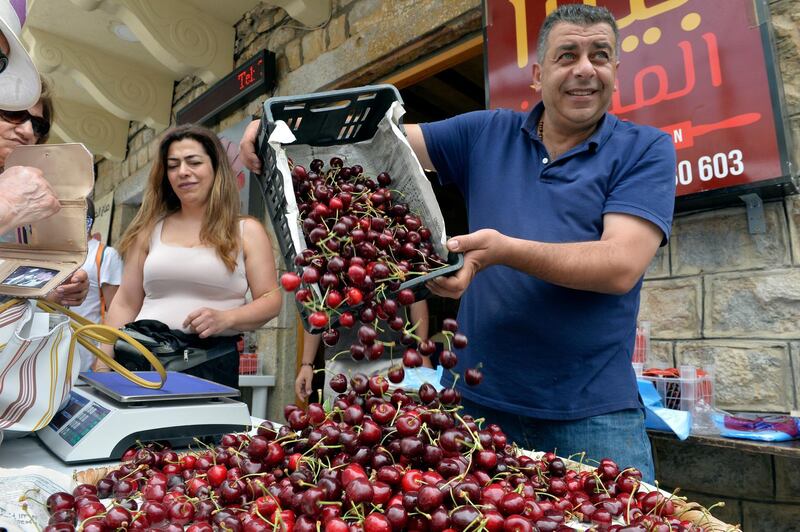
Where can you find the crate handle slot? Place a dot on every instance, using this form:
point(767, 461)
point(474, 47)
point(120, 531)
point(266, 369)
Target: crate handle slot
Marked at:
point(294, 106)
point(346, 132)
point(333, 106)
point(369, 96)
point(366, 113)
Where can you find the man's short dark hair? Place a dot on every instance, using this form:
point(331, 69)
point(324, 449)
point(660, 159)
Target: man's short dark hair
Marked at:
point(580, 15)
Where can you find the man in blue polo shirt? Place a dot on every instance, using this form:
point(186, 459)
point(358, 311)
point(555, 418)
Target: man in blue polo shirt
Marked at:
point(567, 206)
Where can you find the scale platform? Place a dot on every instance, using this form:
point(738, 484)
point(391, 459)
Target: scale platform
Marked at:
point(109, 414)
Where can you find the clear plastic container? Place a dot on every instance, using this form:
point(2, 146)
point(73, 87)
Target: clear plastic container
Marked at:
point(250, 363)
point(641, 347)
point(685, 392)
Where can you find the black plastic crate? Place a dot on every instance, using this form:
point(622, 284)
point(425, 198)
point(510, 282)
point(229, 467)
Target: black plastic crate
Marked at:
point(326, 119)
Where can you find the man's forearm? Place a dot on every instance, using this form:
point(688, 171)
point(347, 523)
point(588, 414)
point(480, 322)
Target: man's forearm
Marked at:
point(599, 266)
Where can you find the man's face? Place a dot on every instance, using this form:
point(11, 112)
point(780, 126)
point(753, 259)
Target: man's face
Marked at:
point(578, 74)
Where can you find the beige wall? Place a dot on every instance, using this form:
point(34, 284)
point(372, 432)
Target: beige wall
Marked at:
point(715, 293)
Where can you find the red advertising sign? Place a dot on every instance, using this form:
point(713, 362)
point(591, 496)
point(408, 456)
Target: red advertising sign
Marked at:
point(696, 69)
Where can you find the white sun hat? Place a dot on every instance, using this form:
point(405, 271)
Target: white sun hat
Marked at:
point(20, 85)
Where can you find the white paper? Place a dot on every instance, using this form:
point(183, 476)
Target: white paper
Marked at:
point(33, 482)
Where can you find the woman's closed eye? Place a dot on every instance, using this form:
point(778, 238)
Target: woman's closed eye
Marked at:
point(177, 164)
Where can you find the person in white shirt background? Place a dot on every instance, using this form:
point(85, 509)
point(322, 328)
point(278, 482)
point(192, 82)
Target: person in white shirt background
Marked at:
point(103, 281)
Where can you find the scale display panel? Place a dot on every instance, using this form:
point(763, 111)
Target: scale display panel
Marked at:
point(77, 418)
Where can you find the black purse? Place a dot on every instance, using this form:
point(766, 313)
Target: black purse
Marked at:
point(177, 351)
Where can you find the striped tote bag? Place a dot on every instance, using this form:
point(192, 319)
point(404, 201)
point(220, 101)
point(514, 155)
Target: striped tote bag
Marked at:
point(36, 368)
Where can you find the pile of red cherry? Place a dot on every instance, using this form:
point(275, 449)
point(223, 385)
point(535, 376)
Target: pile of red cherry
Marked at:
point(377, 461)
point(362, 244)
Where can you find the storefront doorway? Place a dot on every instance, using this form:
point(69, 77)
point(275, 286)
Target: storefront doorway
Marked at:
point(447, 84)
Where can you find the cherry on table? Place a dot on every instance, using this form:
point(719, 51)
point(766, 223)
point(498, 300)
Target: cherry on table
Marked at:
point(374, 351)
point(464, 516)
point(367, 334)
point(396, 374)
point(60, 501)
point(66, 515)
point(117, 517)
point(336, 524)
point(517, 523)
point(370, 433)
point(90, 509)
point(84, 489)
point(59, 527)
point(378, 385)
point(450, 396)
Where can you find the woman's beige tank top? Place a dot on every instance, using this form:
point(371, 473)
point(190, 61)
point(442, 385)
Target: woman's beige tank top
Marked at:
point(179, 280)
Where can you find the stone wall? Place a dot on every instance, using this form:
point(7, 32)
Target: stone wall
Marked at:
point(718, 294)
point(732, 299)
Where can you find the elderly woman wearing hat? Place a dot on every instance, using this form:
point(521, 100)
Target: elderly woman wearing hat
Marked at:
point(25, 115)
point(25, 196)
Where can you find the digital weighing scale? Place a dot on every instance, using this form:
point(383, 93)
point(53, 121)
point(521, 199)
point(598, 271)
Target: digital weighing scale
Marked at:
point(109, 414)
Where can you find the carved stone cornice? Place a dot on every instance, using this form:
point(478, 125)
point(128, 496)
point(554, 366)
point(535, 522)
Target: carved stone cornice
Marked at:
point(182, 38)
point(111, 61)
point(102, 133)
point(125, 89)
point(308, 12)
